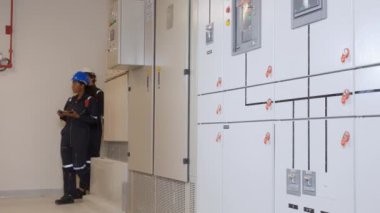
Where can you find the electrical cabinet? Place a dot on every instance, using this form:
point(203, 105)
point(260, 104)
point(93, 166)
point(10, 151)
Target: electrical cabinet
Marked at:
point(211, 108)
point(260, 63)
point(209, 191)
point(331, 40)
point(367, 32)
point(367, 98)
point(291, 46)
point(210, 54)
point(248, 168)
point(338, 97)
point(256, 103)
point(171, 89)
point(233, 65)
point(140, 118)
point(367, 164)
point(116, 109)
point(246, 22)
point(308, 11)
point(126, 34)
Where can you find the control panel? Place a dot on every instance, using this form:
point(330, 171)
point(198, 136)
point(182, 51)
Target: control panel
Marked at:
point(308, 11)
point(246, 25)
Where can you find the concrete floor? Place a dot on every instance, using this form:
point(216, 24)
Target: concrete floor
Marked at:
point(43, 205)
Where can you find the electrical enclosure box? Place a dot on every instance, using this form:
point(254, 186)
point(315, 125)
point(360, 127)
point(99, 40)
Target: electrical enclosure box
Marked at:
point(309, 183)
point(305, 12)
point(293, 182)
point(210, 33)
point(126, 34)
point(246, 24)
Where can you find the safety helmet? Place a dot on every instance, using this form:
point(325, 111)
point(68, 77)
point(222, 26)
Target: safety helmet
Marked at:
point(82, 77)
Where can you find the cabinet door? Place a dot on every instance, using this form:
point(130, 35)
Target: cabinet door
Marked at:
point(248, 168)
point(283, 161)
point(367, 165)
point(367, 32)
point(141, 121)
point(233, 65)
point(291, 46)
point(209, 181)
point(260, 64)
point(210, 55)
point(171, 96)
point(339, 181)
point(116, 110)
point(331, 46)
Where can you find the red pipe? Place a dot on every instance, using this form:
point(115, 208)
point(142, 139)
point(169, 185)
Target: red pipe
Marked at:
point(9, 31)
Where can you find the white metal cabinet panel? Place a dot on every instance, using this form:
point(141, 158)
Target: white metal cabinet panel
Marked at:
point(367, 80)
point(330, 37)
point(339, 185)
point(367, 32)
point(237, 110)
point(210, 69)
point(335, 84)
point(283, 161)
point(171, 96)
point(260, 64)
point(300, 145)
point(209, 181)
point(211, 108)
point(140, 120)
point(291, 89)
point(284, 110)
point(116, 109)
point(318, 108)
point(248, 168)
point(367, 165)
point(233, 66)
point(291, 46)
point(300, 109)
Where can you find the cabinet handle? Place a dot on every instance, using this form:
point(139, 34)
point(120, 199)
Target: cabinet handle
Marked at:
point(345, 96)
point(269, 104)
point(219, 82)
point(269, 72)
point(345, 139)
point(267, 138)
point(345, 55)
point(219, 109)
point(218, 138)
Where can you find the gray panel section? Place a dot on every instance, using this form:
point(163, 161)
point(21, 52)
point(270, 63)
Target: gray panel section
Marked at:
point(309, 183)
point(305, 12)
point(293, 182)
point(246, 26)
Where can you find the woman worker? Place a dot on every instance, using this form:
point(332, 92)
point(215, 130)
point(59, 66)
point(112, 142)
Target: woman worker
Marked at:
point(80, 113)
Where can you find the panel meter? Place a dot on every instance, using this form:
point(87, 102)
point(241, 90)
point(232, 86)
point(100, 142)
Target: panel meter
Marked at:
point(246, 25)
point(305, 12)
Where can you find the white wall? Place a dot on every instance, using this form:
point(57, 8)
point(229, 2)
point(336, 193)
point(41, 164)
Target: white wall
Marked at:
point(52, 39)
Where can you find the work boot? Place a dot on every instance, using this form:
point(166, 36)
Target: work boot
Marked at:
point(65, 199)
point(79, 194)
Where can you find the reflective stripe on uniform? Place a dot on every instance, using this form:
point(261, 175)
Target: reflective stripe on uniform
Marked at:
point(97, 92)
point(80, 168)
point(95, 117)
point(68, 166)
point(89, 162)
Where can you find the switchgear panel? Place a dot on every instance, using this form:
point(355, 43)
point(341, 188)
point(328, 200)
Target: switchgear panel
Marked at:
point(246, 26)
point(210, 33)
point(293, 180)
point(308, 11)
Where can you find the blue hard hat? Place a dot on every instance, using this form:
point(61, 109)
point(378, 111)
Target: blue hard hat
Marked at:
point(82, 77)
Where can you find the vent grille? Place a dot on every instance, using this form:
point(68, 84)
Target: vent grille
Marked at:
point(171, 196)
point(150, 194)
point(115, 151)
